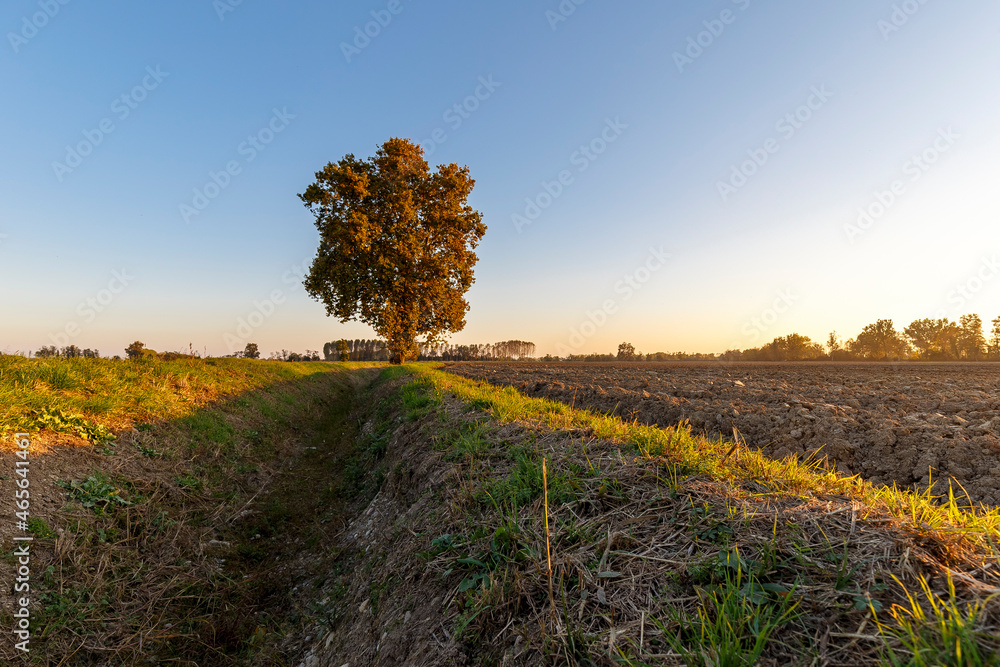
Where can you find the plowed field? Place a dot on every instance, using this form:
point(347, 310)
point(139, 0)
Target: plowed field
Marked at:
point(887, 423)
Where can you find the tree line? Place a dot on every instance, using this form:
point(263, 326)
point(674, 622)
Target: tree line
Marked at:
point(507, 350)
point(138, 350)
point(627, 352)
point(925, 339)
point(68, 352)
point(378, 350)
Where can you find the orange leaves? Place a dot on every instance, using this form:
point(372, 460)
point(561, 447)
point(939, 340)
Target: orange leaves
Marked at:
point(396, 243)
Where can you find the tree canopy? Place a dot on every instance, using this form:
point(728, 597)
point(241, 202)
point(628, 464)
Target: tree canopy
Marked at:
point(880, 341)
point(626, 352)
point(397, 244)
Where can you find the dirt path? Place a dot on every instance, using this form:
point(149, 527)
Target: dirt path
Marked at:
point(888, 423)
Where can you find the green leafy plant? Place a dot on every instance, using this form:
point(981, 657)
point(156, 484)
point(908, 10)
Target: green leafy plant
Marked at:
point(709, 528)
point(96, 493)
point(505, 547)
point(58, 421)
point(149, 452)
point(188, 482)
point(445, 542)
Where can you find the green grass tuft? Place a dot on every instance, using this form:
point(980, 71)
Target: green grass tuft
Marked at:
point(734, 622)
point(941, 633)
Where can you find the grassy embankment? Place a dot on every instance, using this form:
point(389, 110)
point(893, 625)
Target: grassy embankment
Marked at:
point(666, 545)
point(119, 395)
point(166, 543)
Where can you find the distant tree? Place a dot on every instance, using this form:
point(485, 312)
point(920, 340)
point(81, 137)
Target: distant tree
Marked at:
point(995, 339)
point(343, 352)
point(251, 351)
point(285, 355)
point(357, 350)
point(397, 244)
point(168, 356)
point(935, 339)
point(971, 342)
point(925, 335)
point(626, 352)
point(949, 338)
point(880, 341)
point(504, 350)
point(800, 348)
point(836, 348)
point(833, 343)
point(135, 350)
point(47, 352)
point(591, 357)
point(793, 347)
point(91, 354)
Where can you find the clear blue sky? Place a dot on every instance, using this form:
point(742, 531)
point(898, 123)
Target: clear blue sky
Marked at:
point(270, 91)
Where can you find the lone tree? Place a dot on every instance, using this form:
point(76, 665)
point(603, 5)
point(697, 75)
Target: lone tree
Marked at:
point(626, 352)
point(397, 244)
point(994, 345)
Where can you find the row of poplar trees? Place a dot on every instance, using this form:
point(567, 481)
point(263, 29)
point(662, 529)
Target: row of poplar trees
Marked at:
point(378, 350)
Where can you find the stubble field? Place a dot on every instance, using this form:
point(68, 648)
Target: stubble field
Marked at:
point(889, 423)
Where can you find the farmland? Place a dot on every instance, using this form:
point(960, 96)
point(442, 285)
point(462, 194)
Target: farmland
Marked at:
point(886, 423)
point(231, 512)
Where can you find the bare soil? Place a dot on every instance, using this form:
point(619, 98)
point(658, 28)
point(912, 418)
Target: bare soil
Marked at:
point(889, 423)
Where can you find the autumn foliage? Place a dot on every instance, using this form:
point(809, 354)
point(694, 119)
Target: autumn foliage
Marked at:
point(925, 339)
point(397, 244)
